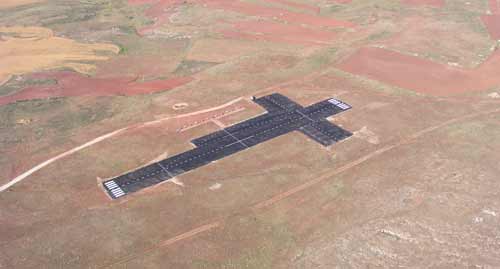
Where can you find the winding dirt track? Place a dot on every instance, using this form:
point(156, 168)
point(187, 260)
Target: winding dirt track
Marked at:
point(201, 229)
point(101, 138)
point(94, 141)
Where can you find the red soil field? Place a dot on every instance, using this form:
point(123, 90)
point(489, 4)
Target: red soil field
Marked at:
point(143, 66)
point(159, 7)
point(422, 75)
point(277, 32)
point(494, 6)
point(492, 22)
point(161, 10)
point(74, 84)
point(433, 3)
point(312, 8)
point(250, 9)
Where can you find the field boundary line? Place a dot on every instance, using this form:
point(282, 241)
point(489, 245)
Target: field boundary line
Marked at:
point(165, 243)
point(363, 159)
point(281, 196)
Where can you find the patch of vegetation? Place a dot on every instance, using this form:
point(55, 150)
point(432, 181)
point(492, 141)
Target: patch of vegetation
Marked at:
point(335, 8)
point(188, 67)
point(281, 6)
point(134, 45)
point(322, 58)
point(376, 85)
point(11, 132)
point(49, 13)
point(359, 11)
point(123, 49)
point(333, 189)
point(273, 238)
point(18, 82)
point(461, 12)
point(379, 35)
point(474, 138)
point(69, 17)
point(56, 116)
point(127, 29)
point(31, 107)
point(122, 15)
point(80, 116)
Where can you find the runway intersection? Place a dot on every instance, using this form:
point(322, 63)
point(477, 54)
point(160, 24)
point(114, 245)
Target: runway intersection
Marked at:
point(283, 116)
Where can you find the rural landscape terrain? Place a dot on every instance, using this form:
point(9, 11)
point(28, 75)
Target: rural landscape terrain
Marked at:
point(93, 89)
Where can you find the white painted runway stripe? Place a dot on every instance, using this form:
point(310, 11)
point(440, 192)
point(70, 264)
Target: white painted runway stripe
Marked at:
point(340, 104)
point(344, 106)
point(111, 184)
point(334, 101)
point(94, 141)
point(119, 195)
point(239, 141)
point(117, 190)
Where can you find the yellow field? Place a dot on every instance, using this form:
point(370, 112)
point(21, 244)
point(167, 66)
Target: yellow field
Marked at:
point(13, 3)
point(28, 49)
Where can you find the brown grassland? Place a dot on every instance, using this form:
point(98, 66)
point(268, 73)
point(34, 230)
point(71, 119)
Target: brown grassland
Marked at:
point(108, 86)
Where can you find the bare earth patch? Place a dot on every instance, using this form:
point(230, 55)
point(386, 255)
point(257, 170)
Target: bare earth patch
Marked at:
point(15, 3)
point(28, 49)
point(74, 84)
point(422, 75)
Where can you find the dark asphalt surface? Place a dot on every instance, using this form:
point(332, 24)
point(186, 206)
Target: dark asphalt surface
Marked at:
point(283, 116)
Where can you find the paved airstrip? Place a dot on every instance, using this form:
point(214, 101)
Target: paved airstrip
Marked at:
point(283, 116)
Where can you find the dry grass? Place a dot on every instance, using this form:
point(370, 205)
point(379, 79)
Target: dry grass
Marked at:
point(15, 3)
point(28, 49)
